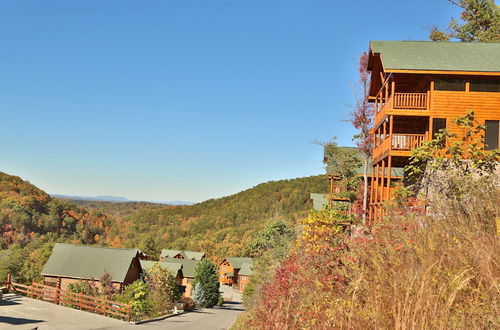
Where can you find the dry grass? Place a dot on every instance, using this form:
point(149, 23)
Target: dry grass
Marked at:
point(418, 272)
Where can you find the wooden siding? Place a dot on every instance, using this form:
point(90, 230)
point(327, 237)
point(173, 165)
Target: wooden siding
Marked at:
point(224, 268)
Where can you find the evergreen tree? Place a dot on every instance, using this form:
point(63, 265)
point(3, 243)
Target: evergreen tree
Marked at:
point(206, 284)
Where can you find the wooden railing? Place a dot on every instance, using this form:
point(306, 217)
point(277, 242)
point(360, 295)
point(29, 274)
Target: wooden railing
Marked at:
point(407, 141)
point(91, 304)
point(410, 101)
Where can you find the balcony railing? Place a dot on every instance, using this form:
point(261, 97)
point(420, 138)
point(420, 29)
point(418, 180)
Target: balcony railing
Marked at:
point(407, 141)
point(410, 101)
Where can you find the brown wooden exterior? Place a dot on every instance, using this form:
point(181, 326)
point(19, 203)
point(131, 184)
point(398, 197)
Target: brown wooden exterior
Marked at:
point(405, 106)
point(62, 282)
point(243, 282)
point(226, 268)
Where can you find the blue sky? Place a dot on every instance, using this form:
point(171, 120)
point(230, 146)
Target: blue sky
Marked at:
point(183, 100)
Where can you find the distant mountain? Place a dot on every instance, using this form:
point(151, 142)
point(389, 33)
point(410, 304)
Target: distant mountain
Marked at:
point(116, 199)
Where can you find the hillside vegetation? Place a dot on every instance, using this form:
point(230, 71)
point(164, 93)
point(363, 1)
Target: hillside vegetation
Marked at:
point(31, 221)
point(221, 227)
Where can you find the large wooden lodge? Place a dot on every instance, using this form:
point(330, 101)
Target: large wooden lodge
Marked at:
point(419, 88)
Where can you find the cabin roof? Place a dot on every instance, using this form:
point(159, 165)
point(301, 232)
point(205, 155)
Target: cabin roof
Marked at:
point(172, 267)
point(437, 56)
point(89, 262)
point(187, 254)
point(188, 265)
point(246, 269)
point(237, 262)
point(330, 169)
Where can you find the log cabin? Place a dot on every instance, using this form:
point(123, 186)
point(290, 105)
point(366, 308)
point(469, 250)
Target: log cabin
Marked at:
point(188, 271)
point(70, 263)
point(229, 270)
point(244, 276)
point(181, 254)
point(418, 88)
point(174, 268)
point(337, 192)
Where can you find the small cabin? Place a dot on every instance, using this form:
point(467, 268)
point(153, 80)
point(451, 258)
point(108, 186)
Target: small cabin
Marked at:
point(173, 267)
point(181, 254)
point(229, 269)
point(188, 268)
point(244, 276)
point(70, 263)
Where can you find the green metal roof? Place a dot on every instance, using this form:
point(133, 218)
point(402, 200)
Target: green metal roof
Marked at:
point(438, 56)
point(186, 254)
point(89, 262)
point(246, 269)
point(237, 262)
point(172, 267)
point(188, 266)
point(395, 172)
point(319, 200)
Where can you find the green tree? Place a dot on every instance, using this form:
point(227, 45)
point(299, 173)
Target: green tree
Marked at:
point(479, 21)
point(206, 278)
point(149, 246)
point(275, 237)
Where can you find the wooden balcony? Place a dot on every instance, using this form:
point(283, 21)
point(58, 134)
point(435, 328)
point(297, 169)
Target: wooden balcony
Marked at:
point(398, 145)
point(405, 104)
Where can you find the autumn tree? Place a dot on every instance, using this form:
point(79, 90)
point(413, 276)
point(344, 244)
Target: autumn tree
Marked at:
point(362, 119)
point(479, 21)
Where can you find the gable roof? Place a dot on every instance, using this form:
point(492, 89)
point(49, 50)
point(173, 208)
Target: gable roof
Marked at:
point(89, 262)
point(246, 269)
point(187, 254)
point(172, 267)
point(188, 266)
point(330, 169)
point(438, 56)
point(237, 262)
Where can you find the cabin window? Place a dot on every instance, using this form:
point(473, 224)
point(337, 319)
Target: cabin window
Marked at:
point(449, 85)
point(438, 125)
point(485, 85)
point(491, 136)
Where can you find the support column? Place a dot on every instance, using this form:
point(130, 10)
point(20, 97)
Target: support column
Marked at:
point(389, 175)
point(382, 181)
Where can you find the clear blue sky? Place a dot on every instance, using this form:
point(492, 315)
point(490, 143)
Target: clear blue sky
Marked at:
point(183, 100)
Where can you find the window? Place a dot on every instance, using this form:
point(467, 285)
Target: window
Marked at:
point(438, 124)
point(449, 85)
point(485, 85)
point(491, 136)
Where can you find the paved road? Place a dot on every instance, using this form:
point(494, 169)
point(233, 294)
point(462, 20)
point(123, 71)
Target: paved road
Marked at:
point(18, 312)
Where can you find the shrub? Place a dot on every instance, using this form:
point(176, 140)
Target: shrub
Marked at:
point(164, 290)
point(137, 294)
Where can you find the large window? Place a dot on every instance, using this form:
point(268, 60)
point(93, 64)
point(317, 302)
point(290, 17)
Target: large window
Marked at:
point(485, 85)
point(491, 136)
point(438, 125)
point(449, 85)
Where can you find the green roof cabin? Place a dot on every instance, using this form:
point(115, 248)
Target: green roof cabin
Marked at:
point(70, 263)
point(182, 254)
point(229, 270)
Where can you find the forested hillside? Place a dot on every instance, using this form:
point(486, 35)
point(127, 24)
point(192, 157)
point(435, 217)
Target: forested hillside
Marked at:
point(221, 227)
point(31, 221)
point(28, 213)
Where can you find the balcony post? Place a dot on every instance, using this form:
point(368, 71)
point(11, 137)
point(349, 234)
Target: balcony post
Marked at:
point(389, 169)
point(393, 87)
point(383, 182)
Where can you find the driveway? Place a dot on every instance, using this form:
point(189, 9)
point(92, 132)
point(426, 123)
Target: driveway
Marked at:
point(18, 312)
